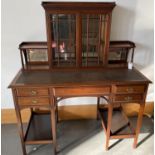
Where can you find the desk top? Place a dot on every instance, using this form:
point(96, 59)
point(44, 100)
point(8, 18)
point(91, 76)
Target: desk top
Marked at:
point(78, 77)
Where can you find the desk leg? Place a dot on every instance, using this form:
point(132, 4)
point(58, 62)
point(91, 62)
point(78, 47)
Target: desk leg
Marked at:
point(53, 119)
point(110, 111)
point(20, 128)
point(57, 113)
point(98, 104)
point(139, 123)
point(19, 122)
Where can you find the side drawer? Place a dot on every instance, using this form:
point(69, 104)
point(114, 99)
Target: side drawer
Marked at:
point(82, 91)
point(33, 101)
point(129, 89)
point(32, 92)
point(128, 98)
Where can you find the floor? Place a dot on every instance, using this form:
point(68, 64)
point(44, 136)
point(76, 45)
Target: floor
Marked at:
point(82, 137)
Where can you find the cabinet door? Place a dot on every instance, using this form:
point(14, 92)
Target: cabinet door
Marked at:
point(93, 39)
point(63, 38)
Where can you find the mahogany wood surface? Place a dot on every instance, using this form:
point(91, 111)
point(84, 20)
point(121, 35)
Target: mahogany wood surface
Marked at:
point(33, 101)
point(32, 92)
point(43, 44)
point(82, 7)
point(129, 89)
point(128, 98)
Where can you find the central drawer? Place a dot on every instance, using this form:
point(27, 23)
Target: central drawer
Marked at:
point(33, 101)
point(82, 91)
point(32, 92)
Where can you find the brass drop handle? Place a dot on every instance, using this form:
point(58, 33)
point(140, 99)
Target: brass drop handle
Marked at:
point(128, 98)
point(33, 92)
point(130, 90)
point(34, 101)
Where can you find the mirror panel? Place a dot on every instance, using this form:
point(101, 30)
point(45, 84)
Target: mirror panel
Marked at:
point(37, 55)
point(117, 55)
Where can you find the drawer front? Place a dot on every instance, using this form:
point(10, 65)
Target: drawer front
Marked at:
point(130, 89)
point(32, 92)
point(33, 101)
point(82, 91)
point(128, 98)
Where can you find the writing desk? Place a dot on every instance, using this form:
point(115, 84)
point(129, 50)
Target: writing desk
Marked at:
point(77, 60)
point(39, 89)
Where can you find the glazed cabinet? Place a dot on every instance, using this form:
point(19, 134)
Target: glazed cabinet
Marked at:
point(78, 34)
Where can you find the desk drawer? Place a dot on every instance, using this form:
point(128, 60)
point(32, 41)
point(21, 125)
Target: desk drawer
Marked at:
point(130, 89)
point(32, 92)
point(33, 101)
point(82, 91)
point(128, 98)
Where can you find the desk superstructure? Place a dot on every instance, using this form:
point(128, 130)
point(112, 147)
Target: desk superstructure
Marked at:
point(80, 61)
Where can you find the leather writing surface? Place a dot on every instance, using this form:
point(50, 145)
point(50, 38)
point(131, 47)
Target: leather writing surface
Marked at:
point(80, 77)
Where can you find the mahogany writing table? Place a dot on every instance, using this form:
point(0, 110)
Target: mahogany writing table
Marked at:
point(42, 88)
point(77, 60)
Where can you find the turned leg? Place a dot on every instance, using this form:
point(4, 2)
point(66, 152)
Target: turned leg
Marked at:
point(110, 111)
point(139, 123)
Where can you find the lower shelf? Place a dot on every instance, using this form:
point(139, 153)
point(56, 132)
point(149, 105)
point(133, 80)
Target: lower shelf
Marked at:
point(120, 125)
point(39, 129)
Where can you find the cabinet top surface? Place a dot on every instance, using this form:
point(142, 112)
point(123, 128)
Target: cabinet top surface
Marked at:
point(107, 4)
point(78, 78)
point(48, 6)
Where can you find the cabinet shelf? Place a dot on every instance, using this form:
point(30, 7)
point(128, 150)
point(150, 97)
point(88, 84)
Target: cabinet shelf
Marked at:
point(39, 129)
point(91, 58)
point(120, 125)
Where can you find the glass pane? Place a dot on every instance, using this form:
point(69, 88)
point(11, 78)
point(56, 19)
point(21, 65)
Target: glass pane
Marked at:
point(37, 55)
point(117, 56)
point(93, 37)
point(63, 40)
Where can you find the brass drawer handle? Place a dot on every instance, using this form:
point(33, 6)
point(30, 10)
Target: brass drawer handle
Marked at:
point(130, 90)
point(34, 101)
point(33, 92)
point(128, 98)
